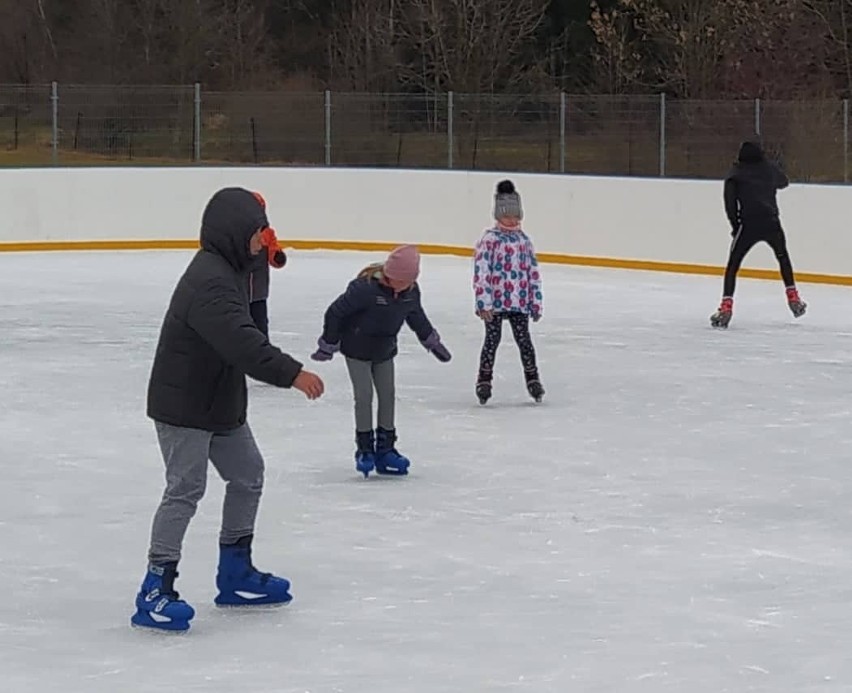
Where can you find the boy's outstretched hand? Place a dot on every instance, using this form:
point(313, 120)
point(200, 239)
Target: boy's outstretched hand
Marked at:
point(310, 384)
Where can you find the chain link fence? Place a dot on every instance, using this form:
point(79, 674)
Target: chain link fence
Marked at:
point(636, 135)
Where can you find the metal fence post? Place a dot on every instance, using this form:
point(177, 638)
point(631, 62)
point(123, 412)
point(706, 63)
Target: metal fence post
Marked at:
point(845, 140)
point(562, 117)
point(662, 134)
point(757, 116)
point(327, 127)
point(450, 134)
point(54, 104)
point(197, 122)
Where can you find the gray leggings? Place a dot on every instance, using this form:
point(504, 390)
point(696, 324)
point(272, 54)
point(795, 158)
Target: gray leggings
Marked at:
point(364, 375)
point(186, 452)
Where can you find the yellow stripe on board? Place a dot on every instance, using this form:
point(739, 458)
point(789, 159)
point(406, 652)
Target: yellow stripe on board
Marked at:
point(428, 249)
point(42, 246)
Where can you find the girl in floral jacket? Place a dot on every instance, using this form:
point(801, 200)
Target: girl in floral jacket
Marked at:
point(507, 286)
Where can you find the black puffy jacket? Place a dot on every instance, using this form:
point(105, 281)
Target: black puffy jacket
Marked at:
point(208, 341)
point(750, 189)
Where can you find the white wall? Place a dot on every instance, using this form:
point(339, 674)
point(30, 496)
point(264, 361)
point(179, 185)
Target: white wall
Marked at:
point(629, 218)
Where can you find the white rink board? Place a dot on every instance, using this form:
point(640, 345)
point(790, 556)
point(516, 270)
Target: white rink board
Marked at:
point(662, 220)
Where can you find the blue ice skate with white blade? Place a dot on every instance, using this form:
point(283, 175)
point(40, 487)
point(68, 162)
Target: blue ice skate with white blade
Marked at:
point(158, 605)
point(240, 584)
point(365, 453)
point(388, 459)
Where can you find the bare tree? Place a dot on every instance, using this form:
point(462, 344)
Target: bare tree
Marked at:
point(243, 41)
point(469, 45)
point(45, 25)
point(148, 18)
point(617, 60)
point(776, 49)
point(834, 23)
point(361, 45)
point(672, 45)
point(16, 46)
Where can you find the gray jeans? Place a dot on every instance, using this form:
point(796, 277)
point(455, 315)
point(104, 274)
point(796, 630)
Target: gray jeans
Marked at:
point(364, 376)
point(186, 452)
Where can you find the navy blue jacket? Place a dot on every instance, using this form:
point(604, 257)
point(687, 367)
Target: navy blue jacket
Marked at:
point(366, 319)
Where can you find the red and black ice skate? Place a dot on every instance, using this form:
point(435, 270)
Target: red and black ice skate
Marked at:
point(723, 316)
point(797, 305)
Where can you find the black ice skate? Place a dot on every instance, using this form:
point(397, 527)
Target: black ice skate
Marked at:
point(534, 386)
point(483, 391)
point(536, 390)
point(722, 317)
point(797, 305)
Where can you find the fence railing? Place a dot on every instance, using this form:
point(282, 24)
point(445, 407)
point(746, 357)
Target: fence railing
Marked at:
point(635, 135)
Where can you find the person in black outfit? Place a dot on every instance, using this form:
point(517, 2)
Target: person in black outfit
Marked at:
point(752, 209)
point(198, 401)
point(273, 255)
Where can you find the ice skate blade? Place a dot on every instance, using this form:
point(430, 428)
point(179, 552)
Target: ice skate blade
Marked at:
point(392, 472)
point(252, 607)
point(159, 631)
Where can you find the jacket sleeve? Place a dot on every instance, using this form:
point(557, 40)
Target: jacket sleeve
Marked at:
point(355, 299)
point(219, 315)
point(536, 301)
point(482, 275)
point(781, 180)
point(418, 321)
point(732, 209)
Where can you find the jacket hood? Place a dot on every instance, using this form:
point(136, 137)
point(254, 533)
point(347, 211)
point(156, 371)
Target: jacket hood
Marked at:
point(750, 152)
point(231, 218)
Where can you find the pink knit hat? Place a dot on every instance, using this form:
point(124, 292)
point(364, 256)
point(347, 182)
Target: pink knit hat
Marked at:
point(403, 264)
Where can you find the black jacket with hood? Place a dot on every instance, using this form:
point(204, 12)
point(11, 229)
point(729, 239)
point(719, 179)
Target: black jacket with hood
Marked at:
point(208, 341)
point(750, 189)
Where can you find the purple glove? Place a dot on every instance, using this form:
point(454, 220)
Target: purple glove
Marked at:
point(434, 345)
point(326, 351)
point(536, 317)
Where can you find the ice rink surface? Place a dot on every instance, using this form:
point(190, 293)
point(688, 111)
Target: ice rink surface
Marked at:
point(674, 517)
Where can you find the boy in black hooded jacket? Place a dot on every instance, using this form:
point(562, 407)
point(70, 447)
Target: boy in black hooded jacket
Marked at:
point(752, 210)
point(197, 398)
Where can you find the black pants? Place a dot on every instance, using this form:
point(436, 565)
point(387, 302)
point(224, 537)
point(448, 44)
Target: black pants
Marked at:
point(520, 324)
point(744, 241)
point(260, 315)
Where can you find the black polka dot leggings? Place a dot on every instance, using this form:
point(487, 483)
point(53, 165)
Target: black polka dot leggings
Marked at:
point(520, 324)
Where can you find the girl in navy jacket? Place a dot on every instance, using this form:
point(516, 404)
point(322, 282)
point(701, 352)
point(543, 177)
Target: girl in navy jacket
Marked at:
point(363, 324)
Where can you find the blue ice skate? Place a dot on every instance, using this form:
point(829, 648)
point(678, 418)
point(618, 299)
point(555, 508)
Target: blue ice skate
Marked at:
point(388, 459)
point(241, 584)
point(365, 453)
point(158, 605)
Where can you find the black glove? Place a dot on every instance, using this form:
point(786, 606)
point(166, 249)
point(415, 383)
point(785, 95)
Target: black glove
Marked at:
point(280, 258)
